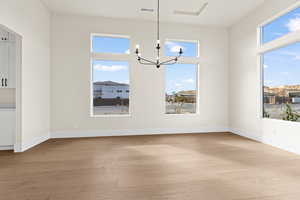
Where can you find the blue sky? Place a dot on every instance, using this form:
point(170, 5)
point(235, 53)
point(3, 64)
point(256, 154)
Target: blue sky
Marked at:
point(190, 49)
point(181, 77)
point(111, 71)
point(281, 26)
point(111, 45)
point(282, 66)
point(178, 77)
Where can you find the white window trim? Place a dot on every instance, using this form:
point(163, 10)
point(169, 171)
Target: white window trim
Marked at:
point(278, 43)
point(109, 57)
point(185, 60)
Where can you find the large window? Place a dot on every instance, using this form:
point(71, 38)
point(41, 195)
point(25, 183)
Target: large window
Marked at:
point(281, 68)
point(110, 75)
point(181, 91)
point(283, 25)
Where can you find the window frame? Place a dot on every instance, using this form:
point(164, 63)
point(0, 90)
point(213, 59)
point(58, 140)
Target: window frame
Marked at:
point(184, 60)
point(262, 48)
point(94, 56)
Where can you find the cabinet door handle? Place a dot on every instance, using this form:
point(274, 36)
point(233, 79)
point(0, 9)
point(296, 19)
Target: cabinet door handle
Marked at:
point(6, 82)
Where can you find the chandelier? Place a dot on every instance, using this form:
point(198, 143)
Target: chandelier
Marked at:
point(158, 61)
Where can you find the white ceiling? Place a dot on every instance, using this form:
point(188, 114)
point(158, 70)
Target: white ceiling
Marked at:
point(218, 12)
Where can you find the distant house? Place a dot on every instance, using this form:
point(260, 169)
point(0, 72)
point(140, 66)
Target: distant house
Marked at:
point(190, 96)
point(188, 93)
point(111, 90)
point(282, 94)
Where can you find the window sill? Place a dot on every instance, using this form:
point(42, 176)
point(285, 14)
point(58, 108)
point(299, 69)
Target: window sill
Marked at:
point(110, 116)
point(281, 121)
point(183, 115)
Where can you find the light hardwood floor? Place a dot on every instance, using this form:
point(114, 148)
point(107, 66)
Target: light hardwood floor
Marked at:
point(215, 166)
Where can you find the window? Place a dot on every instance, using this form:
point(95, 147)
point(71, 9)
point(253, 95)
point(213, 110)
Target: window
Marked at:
point(114, 45)
point(110, 76)
point(282, 81)
point(190, 49)
point(181, 90)
point(283, 25)
point(280, 65)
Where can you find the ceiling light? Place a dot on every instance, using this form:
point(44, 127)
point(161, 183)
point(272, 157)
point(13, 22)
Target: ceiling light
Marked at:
point(157, 62)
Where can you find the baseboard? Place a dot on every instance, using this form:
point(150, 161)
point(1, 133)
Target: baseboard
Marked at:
point(103, 133)
point(7, 147)
point(34, 142)
point(267, 141)
point(244, 133)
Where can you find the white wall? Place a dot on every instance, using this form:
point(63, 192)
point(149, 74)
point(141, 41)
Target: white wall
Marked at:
point(31, 20)
point(244, 83)
point(70, 79)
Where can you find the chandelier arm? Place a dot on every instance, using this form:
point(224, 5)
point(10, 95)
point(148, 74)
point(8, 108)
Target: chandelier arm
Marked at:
point(148, 61)
point(174, 60)
point(170, 62)
point(145, 63)
point(167, 61)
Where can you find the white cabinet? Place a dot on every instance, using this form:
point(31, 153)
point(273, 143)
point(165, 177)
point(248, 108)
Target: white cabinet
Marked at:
point(7, 127)
point(7, 61)
point(4, 64)
point(12, 51)
point(4, 35)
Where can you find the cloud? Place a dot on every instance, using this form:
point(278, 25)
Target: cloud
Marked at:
point(294, 24)
point(266, 66)
point(178, 86)
point(174, 47)
point(112, 68)
point(190, 80)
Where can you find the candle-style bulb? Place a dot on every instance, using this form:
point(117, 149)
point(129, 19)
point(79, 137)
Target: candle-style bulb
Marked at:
point(180, 51)
point(158, 41)
point(137, 46)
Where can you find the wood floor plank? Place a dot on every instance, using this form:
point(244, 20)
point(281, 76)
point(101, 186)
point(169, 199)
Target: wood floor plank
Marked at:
point(215, 166)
